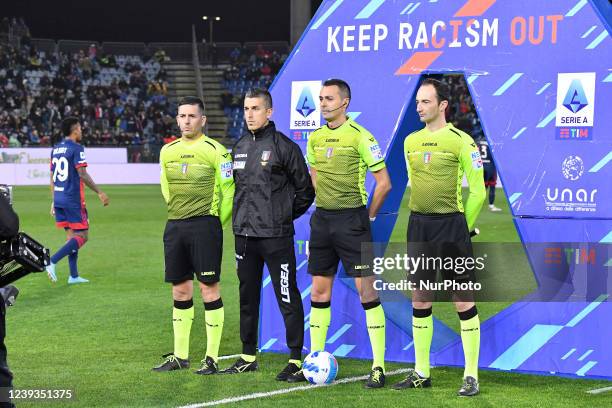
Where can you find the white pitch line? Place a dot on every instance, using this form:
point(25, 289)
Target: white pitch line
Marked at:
point(229, 356)
point(600, 390)
point(285, 391)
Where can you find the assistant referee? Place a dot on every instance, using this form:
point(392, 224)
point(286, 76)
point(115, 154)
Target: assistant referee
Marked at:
point(197, 184)
point(437, 157)
point(273, 188)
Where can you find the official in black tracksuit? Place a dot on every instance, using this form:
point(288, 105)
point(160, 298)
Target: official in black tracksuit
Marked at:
point(273, 188)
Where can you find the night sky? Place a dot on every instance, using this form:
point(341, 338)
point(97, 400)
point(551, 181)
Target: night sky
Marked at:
point(146, 21)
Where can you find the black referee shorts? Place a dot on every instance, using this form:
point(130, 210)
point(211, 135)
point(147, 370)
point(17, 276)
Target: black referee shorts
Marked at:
point(442, 243)
point(337, 235)
point(193, 246)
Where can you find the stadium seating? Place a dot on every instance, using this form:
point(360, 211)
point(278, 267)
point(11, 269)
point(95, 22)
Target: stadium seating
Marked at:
point(249, 69)
point(121, 99)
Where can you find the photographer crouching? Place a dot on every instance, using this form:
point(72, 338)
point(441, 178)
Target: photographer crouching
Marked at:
point(9, 227)
point(20, 255)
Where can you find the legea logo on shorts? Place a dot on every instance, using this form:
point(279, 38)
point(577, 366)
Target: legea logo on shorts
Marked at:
point(575, 106)
point(305, 109)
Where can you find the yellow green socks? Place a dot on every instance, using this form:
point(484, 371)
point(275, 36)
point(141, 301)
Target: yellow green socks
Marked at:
point(470, 338)
point(213, 318)
point(320, 316)
point(422, 333)
point(248, 358)
point(375, 320)
point(182, 318)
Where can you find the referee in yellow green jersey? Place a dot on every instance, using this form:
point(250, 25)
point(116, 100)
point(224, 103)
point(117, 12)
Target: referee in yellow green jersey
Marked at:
point(340, 154)
point(197, 184)
point(440, 225)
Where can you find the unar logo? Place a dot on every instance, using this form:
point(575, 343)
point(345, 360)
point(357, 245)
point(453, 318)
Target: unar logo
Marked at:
point(572, 168)
point(570, 199)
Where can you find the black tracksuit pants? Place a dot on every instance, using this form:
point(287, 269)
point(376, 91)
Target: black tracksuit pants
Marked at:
point(278, 254)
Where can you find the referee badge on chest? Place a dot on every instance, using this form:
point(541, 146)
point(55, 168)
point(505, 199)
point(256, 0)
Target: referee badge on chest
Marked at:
point(184, 168)
point(265, 156)
point(426, 157)
point(330, 152)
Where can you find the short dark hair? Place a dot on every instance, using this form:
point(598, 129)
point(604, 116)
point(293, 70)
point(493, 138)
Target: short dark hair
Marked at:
point(68, 125)
point(260, 93)
point(192, 100)
point(442, 90)
point(345, 89)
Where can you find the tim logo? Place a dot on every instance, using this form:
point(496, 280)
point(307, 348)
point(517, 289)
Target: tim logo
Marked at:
point(572, 256)
point(305, 109)
point(575, 106)
point(300, 135)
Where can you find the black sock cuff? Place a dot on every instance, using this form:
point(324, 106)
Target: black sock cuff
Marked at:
point(420, 313)
point(183, 304)
point(214, 305)
point(468, 314)
point(320, 305)
point(370, 305)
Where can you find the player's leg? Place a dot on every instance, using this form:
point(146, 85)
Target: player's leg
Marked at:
point(470, 339)
point(375, 322)
point(69, 219)
point(322, 266)
point(279, 256)
point(422, 318)
point(491, 182)
point(82, 236)
point(320, 312)
point(182, 317)
point(249, 264)
point(320, 315)
point(178, 272)
point(206, 249)
point(214, 317)
point(352, 237)
point(461, 248)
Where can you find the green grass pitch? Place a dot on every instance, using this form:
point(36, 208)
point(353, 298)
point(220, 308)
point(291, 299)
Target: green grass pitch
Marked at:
point(101, 339)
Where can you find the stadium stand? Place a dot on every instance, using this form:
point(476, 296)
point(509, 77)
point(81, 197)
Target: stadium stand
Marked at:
point(121, 99)
point(249, 68)
point(123, 92)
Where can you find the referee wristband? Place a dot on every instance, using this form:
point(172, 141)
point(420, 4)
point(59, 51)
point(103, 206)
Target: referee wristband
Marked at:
point(372, 219)
point(475, 232)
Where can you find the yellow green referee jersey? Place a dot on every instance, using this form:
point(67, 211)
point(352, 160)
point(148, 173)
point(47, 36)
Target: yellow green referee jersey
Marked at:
point(341, 157)
point(196, 179)
point(436, 162)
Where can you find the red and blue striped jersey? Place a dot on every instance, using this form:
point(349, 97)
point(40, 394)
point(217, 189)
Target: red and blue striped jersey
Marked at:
point(68, 188)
